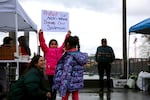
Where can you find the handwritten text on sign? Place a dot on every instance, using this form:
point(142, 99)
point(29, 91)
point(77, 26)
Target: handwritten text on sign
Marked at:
point(54, 21)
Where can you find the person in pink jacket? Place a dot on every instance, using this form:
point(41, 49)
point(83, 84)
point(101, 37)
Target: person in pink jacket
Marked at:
point(52, 54)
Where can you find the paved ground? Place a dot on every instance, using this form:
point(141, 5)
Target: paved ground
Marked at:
point(116, 94)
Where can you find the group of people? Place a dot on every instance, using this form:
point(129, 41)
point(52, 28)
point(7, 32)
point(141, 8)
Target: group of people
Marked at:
point(24, 49)
point(64, 67)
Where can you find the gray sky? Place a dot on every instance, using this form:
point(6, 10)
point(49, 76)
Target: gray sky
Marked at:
point(134, 7)
point(91, 20)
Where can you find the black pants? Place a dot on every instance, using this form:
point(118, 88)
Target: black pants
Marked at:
point(53, 94)
point(102, 68)
point(3, 80)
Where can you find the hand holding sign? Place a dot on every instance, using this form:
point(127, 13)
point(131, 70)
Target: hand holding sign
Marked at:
point(68, 33)
point(40, 31)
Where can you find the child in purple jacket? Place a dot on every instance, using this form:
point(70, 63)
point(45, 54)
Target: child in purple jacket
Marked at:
point(68, 77)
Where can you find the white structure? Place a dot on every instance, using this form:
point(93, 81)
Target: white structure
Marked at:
point(13, 18)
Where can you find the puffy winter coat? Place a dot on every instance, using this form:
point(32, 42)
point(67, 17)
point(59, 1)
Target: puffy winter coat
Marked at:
point(30, 87)
point(52, 55)
point(69, 72)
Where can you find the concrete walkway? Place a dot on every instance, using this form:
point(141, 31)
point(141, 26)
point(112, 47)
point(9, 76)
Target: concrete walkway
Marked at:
point(116, 94)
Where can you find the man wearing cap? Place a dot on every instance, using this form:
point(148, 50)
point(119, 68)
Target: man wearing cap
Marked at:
point(104, 57)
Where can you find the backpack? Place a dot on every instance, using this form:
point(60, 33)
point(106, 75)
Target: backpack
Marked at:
point(17, 90)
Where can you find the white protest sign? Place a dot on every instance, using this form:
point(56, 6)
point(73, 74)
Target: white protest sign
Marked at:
point(54, 21)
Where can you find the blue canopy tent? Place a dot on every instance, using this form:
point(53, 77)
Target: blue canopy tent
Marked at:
point(142, 27)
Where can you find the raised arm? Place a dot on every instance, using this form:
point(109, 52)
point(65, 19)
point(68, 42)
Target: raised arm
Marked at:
point(67, 35)
point(43, 45)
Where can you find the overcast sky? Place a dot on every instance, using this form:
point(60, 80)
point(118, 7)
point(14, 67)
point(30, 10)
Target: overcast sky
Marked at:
point(91, 20)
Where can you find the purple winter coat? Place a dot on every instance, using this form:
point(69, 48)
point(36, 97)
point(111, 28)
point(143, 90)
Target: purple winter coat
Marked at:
point(69, 72)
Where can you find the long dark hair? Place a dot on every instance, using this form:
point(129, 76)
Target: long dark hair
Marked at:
point(52, 41)
point(34, 61)
point(73, 42)
point(22, 41)
point(6, 40)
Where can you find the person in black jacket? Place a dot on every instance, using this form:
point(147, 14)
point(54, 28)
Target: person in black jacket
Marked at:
point(104, 57)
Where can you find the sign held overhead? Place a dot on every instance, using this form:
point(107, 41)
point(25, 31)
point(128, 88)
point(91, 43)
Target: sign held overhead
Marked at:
point(54, 21)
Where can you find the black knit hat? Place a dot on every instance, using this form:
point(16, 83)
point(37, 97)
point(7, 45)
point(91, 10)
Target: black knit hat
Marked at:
point(104, 40)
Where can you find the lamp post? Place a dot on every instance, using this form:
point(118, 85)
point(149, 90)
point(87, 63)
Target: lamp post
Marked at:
point(124, 38)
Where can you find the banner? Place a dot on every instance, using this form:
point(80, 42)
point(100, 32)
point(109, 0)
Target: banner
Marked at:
point(54, 21)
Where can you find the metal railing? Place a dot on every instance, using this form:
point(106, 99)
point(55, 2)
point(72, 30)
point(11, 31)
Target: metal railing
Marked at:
point(135, 66)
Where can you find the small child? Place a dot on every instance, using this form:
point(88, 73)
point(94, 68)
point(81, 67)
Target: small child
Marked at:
point(52, 54)
point(69, 71)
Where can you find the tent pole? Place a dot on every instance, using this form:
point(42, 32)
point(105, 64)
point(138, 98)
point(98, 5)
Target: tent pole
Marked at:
point(128, 59)
point(38, 44)
point(17, 51)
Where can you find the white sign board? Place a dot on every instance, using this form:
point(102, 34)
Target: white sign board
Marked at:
point(54, 21)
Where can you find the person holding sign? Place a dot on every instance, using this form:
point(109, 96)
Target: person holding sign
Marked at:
point(52, 54)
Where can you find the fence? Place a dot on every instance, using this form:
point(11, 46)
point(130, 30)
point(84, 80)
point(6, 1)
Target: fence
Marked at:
point(117, 70)
point(138, 64)
point(135, 66)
